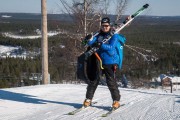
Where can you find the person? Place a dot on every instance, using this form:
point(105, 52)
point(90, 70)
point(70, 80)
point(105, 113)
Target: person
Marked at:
point(110, 59)
point(124, 81)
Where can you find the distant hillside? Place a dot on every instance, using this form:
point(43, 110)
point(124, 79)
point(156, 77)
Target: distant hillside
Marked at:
point(147, 36)
point(35, 16)
point(66, 17)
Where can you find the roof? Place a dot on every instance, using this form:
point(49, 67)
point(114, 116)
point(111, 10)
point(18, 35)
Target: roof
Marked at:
point(174, 79)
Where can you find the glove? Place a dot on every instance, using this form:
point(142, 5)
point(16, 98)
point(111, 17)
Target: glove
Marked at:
point(112, 31)
point(87, 39)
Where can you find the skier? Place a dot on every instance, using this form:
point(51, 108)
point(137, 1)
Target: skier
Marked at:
point(110, 59)
point(124, 81)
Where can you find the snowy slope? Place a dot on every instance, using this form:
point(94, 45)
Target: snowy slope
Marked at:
point(53, 102)
point(5, 49)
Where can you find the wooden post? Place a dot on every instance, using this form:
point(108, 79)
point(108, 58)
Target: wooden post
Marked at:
point(85, 17)
point(44, 43)
point(171, 85)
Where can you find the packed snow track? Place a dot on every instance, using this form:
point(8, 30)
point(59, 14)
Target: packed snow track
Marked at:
point(55, 101)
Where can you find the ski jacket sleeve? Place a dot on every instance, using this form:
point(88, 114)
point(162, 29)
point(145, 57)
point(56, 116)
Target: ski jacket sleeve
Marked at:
point(112, 43)
point(92, 41)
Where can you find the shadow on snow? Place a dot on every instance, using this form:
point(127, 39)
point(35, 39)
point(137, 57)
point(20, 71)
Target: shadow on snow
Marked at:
point(19, 97)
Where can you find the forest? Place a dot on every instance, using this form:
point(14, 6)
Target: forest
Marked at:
point(147, 35)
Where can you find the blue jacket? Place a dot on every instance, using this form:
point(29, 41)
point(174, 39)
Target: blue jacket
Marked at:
point(110, 52)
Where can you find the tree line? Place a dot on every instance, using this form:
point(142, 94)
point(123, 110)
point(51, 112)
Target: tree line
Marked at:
point(161, 39)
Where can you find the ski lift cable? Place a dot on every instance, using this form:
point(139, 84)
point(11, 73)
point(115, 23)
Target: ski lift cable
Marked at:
point(149, 51)
point(143, 55)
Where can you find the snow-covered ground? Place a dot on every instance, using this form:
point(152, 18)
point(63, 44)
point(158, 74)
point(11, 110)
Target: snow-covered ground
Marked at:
point(54, 101)
point(16, 52)
point(12, 35)
point(6, 16)
point(5, 49)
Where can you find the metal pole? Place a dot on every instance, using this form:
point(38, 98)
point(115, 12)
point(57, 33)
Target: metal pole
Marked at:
point(44, 43)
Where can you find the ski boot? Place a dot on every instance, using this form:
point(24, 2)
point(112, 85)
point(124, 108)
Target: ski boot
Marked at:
point(87, 103)
point(115, 105)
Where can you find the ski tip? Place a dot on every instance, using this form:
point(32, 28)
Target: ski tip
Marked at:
point(103, 115)
point(70, 113)
point(146, 6)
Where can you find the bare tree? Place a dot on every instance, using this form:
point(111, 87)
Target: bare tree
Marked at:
point(121, 4)
point(118, 8)
point(82, 12)
point(87, 13)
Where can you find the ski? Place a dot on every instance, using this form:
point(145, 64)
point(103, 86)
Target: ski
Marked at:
point(80, 109)
point(76, 110)
point(119, 28)
point(111, 111)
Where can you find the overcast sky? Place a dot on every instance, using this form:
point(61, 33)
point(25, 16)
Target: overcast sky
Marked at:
point(157, 7)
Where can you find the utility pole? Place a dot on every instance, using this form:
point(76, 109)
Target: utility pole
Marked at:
point(44, 43)
point(85, 17)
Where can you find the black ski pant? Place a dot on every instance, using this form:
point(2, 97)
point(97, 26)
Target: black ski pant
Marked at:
point(111, 83)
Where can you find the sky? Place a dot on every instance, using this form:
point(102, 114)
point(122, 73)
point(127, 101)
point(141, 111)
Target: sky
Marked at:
point(157, 7)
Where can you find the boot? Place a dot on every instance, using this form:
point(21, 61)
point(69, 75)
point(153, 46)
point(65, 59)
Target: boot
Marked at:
point(87, 103)
point(115, 105)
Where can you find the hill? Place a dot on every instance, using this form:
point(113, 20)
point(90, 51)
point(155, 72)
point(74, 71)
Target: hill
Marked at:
point(54, 101)
point(66, 17)
point(152, 48)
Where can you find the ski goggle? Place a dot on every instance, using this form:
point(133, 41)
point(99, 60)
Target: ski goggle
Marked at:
point(105, 25)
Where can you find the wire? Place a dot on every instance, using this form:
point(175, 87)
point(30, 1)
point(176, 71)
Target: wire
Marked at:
point(145, 56)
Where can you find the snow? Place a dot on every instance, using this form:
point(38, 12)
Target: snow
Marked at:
point(16, 52)
point(12, 35)
point(54, 101)
point(6, 16)
point(5, 49)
